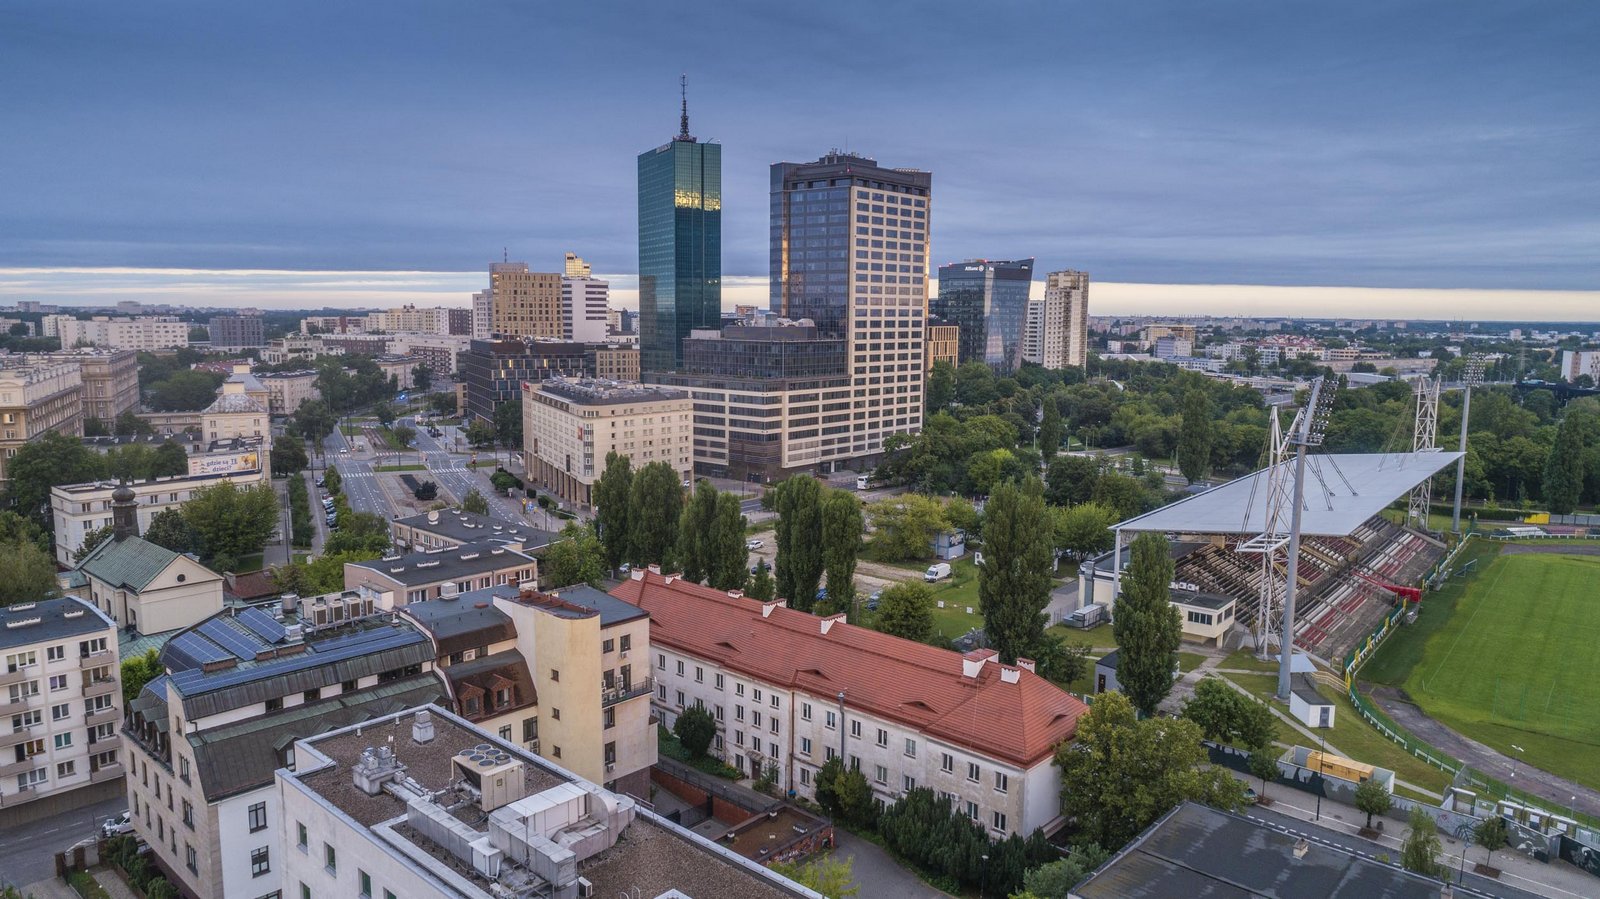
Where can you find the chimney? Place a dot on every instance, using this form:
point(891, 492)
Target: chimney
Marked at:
point(767, 607)
point(830, 621)
point(1026, 664)
point(422, 727)
point(124, 512)
point(1301, 847)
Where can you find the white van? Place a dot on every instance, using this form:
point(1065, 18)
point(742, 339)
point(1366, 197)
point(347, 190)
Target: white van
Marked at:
point(861, 481)
point(937, 572)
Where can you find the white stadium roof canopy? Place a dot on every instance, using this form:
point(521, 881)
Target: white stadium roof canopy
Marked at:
point(1341, 492)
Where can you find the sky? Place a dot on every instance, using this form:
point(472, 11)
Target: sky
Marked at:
point(1418, 159)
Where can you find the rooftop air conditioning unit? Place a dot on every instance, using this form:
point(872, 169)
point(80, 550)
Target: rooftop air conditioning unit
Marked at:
point(585, 887)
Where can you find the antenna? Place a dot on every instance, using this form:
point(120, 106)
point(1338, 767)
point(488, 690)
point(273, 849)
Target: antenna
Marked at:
point(683, 118)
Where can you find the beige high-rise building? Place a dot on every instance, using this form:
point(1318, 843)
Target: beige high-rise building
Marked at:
point(569, 427)
point(944, 344)
point(37, 396)
point(576, 267)
point(524, 303)
point(110, 380)
point(1056, 334)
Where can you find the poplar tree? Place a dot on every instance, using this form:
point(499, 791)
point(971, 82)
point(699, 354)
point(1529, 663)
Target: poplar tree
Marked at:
point(612, 507)
point(655, 500)
point(799, 540)
point(1146, 624)
point(1014, 580)
point(1194, 436)
point(727, 555)
point(841, 541)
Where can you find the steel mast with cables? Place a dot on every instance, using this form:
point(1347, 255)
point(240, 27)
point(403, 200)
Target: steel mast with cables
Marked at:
point(1313, 426)
point(1424, 438)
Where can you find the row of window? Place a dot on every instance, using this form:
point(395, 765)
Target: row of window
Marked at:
point(330, 863)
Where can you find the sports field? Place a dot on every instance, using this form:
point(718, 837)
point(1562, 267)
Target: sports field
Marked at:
point(1518, 662)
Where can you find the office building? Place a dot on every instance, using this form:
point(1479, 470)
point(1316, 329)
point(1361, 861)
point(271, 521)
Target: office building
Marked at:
point(236, 332)
point(38, 396)
point(110, 381)
point(148, 333)
point(523, 303)
point(569, 427)
point(849, 247)
point(583, 304)
point(612, 362)
point(1057, 333)
point(61, 698)
point(447, 809)
point(680, 245)
point(482, 315)
point(288, 389)
point(492, 371)
point(944, 344)
point(791, 690)
point(413, 577)
point(988, 300)
point(204, 739)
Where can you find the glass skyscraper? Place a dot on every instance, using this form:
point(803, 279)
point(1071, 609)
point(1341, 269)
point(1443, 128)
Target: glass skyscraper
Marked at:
point(680, 246)
point(988, 299)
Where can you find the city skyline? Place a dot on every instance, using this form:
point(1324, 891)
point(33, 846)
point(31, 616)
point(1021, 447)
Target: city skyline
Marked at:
point(1459, 163)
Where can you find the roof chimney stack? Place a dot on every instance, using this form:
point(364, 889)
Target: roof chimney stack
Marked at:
point(422, 727)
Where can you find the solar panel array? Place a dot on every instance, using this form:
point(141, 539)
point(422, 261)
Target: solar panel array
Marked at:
point(241, 646)
point(197, 650)
point(263, 625)
point(324, 652)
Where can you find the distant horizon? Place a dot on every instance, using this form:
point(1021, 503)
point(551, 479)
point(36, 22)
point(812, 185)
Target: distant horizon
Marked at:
point(283, 289)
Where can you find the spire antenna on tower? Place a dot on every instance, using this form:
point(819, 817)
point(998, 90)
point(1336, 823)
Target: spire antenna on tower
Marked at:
point(683, 117)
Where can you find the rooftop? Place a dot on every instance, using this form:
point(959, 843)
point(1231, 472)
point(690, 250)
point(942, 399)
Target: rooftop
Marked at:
point(128, 564)
point(464, 621)
point(447, 564)
point(76, 491)
point(49, 619)
point(971, 701)
point(464, 527)
point(1199, 599)
point(598, 392)
point(235, 403)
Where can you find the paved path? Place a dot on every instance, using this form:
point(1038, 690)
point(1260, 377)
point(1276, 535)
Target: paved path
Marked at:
point(1561, 793)
point(876, 874)
point(27, 853)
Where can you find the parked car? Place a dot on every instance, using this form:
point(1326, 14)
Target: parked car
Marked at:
point(872, 601)
point(937, 572)
point(862, 480)
point(117, 826)
point(753, 544)
point(322, 482)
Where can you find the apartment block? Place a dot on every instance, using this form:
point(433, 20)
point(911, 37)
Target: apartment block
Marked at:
point(1057, 334)
point(148, 333)
point(410, 319)
point(236, 332)
point(81, 508)
point(482, 315)
point(37, 397)
point(584, 303)
point(437, 351)
point(524, 303)
point(1577, 363)
point(110, 380)
point(569, 427)
point(61, 701)
point(416, 576)
point(287, 390)
point(790, 690)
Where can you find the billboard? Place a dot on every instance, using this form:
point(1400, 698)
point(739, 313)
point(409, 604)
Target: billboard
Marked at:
point(225, 463)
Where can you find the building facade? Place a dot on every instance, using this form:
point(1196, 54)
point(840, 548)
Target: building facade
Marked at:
point(849, 247)
point(569, 427)
point(37, 397)
point(1057, 333)
point(584, 303)
point(143, 587)
point(680, 245)
point(988, 300)
point(429, 574)
point(81, 508)
point(944, 344)
point(410, 319)
point(144, 333)
point(524, 304)
point(615, 363)
point(110, 381)
point(1577, 363)
point(492, 371)
point(236, 332)
point(482, 315)
point(287, 390)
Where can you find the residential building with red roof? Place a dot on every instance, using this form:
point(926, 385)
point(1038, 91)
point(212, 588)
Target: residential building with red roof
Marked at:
point(789, 690)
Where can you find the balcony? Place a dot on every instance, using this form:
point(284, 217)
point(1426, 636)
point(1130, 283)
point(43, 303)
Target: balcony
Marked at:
point(624, 692)
point(95, 659)
point(7, 678)
point(99, 688)
point(105, 743)
point(13, 768)
point(101, 716)
point(9, 706)
point(109, 772)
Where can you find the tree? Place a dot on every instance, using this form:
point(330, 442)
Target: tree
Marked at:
point(1056, 879)
point(129, 463)
point(829, 875)
point(508, 425)
point(1563, 469)
point(904, 526)
point(1225, 714)
point(1420, 853)
point(841, 542)
point(95, 427)
point(313, 421)
point(91, 540)
point(1051, 429)
point(826, 781)
point(480, 433)
point(1263, 764)
point(442, 403)
point(288, 457)
point(1194, 436)
point(1120, 773)
point(385, 413)
point(1491, 833)
point(726, 569)
point(422, 376)
point(1146, 624)
point(612, 512)
point(1123, 495)
point(1084, 530)
point(1373, 799)
point(655, 502)
point(52, 460)
point(16, 529)
point(332, 481)
point(504, 481)
point(1014, 580)
point(426, 491)
point(799, 540)
point(230, 522)
point(1057, 660)
point(140, 670)
point(941, 386)
point(27, 573)
point(695, 525)
point(363, 534)
point(188, 390)
point(761, 583)
point(171, 461)
point(695, 729)
point(577, 558)
point(169, 529)
point(1070, 479)
point(475, 503)
point(906, 610)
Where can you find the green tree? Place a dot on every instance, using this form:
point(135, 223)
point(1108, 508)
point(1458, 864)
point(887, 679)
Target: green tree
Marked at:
point(904, 526)
point(829, 875)
point(480, 433)
point(941, 386)
point(365, 534)
point(1070, 479)
point(27, 573)
point(1051, 429)
point(1420, 852)
point(826, 782)
point(1146, 624)
point(1194, 437)
point(726, 569)
point(332, 482)
point(288, 457)
point(577, 558)
point(231, 522)
point(140, 670)
point(1263, 764)
point(695, 534)
point(841, 542)
point(504, 481)
point(695, 728)
point(171, 461)
point(1056, 879)
point(799, 540)
point(761, 586)
point(508, 424)
point(54, 459)
point(385, 413)
point(130, 463)
point(1492, 834)
point(91, 540)
point(313, 421)
point(95, 427)
point(404, 434)
point(426, 491)
point(1120, 774)
point(655, 501)
point(1014, 580)
point(1123, 495)
point(1563, 468)
point(129, 423)
point(988, 468)
point(1372, 799)
point(189, 390)
point(475, 503)
point(612, 510)
point(16, 529)
point(422, 377)
point(906, 610)
point(1083, 530)
point(169, 529)
point(1057, 660)
point(1225, 714)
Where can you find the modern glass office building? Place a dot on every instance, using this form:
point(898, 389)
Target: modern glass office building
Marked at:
point(988, 298)
point(680, 246)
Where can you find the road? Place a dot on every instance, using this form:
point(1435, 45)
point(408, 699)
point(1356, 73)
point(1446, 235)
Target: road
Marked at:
point(357, 481)
point(453, 475)
point(27, 854)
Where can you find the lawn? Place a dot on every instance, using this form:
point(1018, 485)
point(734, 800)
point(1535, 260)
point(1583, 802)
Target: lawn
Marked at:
point(1099, 636)
point(404, 466)
point(1245, 660)
point(1401, 650)
point(1515, 662)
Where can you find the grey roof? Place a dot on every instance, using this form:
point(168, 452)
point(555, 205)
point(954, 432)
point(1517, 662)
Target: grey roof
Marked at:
point(1197, 851)
point(1107, 661)
point(467, 621)
point(612, 610)
point(241, 756)
point(236, 402)
point(128, 564)
point(466, 527)
point(1303, 686)
point(449, 564)
point(52, 623)
point(1199, 599)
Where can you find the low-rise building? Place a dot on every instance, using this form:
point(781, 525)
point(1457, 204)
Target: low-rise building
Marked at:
point(416, 576)
point(790, 690)
point(437, 351)
point(37, 397)
point(1206, 617)
point(493, 370)
point(146, 588)
point(235, 413)
point(400, 368)
point(61, 699)
point(302, 346)
point(110, 381)
point(570, 427)
point(615, 362)
point(287, 390)
point(150, 332)
point(81, 508)
point(441, 528)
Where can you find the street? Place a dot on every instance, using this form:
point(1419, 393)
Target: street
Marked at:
point(27, 853)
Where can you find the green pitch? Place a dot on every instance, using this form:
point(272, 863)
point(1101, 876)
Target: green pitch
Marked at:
point(1518, 662)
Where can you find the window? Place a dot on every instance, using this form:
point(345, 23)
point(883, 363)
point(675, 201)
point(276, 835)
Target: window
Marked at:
point(908, 783)
point(661, 691)
point(555, 713)
point(555, 674)
point(805, 711)
point(680, 667)
point(774, 700)
point(805, 745)
point(305, 892)
point(388, 895)
point(300, 836)
point(772, 724)
point(1002, 782)
point(606, 645)
point(972, 810)
point(831, 721)
point(609, 718)
point(18, 661)
point(365, 881)
point(260, 862)
point(258, 817)
point(530, 729)
point(756, 695)
point(1000, 821)
point(805, 776)
point(855, 728)
point(66, 769)
point(191, 858)
point(719, 682)
point(881, 774)
point(973, 771)
point(313, 694)
point(58, 682)
point(661, 661)
point(755, 718)
point(627, 642)
point(699, 675)
point(911, 748)
point(738, 713)
point(883, 737)
point(183, 768)
point(611, 753)
point(188, 814)
point(330, 858)
point(59, 712)
point(64, 741)
point(56, 653)
point(738, 689)
point(505, 733)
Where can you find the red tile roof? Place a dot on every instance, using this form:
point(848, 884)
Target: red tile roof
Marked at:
point(998, 711)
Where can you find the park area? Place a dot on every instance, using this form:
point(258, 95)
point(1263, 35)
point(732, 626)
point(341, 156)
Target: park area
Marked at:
point(1515, 661)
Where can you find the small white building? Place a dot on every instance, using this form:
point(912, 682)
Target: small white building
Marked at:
point(1307, 705)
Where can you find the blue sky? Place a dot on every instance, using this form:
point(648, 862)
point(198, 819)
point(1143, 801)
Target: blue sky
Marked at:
point(1408, 145)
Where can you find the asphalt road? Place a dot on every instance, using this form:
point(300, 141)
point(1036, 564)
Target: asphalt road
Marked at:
point(453, 474)
point(357, 481)
point(27, 854)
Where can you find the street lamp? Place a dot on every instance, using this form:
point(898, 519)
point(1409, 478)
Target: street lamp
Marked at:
point(983, 876)
point(1516, 760)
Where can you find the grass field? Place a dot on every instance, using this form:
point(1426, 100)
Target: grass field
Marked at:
point(1518, 662)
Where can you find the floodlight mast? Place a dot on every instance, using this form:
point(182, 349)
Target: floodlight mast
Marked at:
point(1472, 377)
point(1313, 422)
point(1425, 437)
point(1273, 536)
